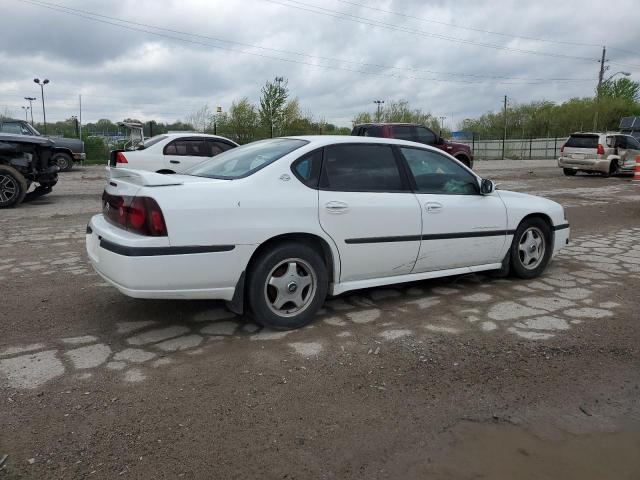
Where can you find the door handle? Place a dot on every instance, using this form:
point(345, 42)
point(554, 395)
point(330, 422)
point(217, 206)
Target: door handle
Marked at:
point(174, 161)
point(336, 207)
point(434, 207)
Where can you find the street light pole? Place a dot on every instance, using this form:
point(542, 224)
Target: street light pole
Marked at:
point(30, 99)
point(442, 119)
point(379, 103)
point(26, 109)
point(44, 113)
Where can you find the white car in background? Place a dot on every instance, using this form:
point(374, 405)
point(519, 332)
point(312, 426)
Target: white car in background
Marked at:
point(171, 152)
point(279, 224)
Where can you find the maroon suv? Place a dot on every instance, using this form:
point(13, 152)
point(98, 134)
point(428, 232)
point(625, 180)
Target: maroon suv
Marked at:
point(415, 133)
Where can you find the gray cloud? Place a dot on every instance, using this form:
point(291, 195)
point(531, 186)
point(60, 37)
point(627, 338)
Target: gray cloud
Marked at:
point(124, 73)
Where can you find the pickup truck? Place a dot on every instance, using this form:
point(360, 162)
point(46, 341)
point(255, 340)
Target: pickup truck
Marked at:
point(415, 132)
point(65, 150)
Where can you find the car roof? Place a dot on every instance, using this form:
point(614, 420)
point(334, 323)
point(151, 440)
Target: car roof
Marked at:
point(190, 134)
point(380, 124)
point(321, 140)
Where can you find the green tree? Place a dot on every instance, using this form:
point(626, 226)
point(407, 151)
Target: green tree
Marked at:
point(622, 88)
point(243, 120)
point(272, 104)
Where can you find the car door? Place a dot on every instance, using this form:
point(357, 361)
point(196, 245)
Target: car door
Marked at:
point(183, 153)
point(460, 227)
point(627, 148)
point(367, 208)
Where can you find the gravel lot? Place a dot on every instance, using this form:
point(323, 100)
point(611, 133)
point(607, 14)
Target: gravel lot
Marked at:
point(463, 377)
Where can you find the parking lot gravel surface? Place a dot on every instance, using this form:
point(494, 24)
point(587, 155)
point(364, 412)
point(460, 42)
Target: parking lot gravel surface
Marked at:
point(461, 377)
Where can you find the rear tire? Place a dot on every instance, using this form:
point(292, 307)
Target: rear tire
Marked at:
point(13, 187)
point(464, 160)
point(569, 172)
point(286, 286)
point(64, 161)
point(531, 248)
point(613, 169)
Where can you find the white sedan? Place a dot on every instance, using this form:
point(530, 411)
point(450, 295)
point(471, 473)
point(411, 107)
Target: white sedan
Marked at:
point(277, 225)
point(171, 152)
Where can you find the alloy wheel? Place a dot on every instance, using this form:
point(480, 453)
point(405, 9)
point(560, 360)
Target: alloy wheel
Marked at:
point(290, 287)
point(531, 248)
point(8, 188)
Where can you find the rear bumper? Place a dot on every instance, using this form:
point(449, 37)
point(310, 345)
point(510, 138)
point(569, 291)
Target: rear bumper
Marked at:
point(588, 164)
point(148, 267)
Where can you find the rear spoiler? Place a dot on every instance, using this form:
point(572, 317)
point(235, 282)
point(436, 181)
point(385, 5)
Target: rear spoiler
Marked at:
point(142, 177)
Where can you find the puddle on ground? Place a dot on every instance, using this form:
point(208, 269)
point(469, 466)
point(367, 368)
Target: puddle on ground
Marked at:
point(508, 452)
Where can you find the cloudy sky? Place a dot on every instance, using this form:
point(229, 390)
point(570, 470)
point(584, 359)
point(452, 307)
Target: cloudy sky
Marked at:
point(162, 60)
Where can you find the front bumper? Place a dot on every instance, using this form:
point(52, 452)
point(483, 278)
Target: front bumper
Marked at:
point(561, 234)
point(149, 267)
point(79, 157)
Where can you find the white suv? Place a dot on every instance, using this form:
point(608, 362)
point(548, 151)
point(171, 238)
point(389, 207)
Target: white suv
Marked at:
point(171, 152)
point(607, 153)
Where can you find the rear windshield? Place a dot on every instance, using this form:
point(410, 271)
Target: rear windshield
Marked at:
point(151, 141)
point(582, 141)
point(247, 159)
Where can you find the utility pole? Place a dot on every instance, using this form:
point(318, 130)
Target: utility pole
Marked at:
point(80, 116)
point(379, 103)
point(504, 133)
point(600, 78)
point(279, 81)
point(30, 99)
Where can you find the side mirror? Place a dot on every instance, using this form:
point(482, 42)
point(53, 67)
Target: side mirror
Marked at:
point(487, 187)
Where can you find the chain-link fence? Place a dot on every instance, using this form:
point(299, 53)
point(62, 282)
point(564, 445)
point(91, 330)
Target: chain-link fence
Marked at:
point(517, 149)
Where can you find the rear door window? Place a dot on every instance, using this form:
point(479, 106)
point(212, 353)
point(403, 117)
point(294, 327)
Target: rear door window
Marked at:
point(582, 141)
point(187, 147)
point(361, 168)
point(373, 131)
point(404, 132)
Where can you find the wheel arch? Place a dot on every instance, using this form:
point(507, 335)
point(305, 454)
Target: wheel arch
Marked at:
point(322, 245)
point(464, 158)
point(545, 218)
point(67, 151)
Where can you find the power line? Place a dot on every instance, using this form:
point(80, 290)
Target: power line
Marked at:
point(490, 32)
point(394, 27)
point(123, 24)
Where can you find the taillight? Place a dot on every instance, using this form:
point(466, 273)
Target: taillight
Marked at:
point(141, 215)
point(562, 148)
point(600, 149)
point(120, 158)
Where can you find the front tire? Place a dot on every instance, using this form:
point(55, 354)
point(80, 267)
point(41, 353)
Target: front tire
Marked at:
point(531, 248)
point(13, 186)
point(64, 161)
point(287, 285)
point(569, 172)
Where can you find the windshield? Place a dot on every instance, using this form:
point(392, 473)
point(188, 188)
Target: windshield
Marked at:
point(247, 159)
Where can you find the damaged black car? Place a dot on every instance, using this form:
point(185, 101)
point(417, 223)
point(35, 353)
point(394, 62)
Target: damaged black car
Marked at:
point(25, 161)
